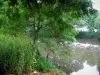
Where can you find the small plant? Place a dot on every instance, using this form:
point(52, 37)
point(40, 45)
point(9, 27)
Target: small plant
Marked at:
point(44, 65)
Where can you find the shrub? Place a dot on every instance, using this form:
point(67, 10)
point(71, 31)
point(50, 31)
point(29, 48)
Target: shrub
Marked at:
point(16, 53)
point(83, 34)
point(44, 65)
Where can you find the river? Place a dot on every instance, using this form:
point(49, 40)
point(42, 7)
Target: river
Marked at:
point(78, 58)
point(84, 58)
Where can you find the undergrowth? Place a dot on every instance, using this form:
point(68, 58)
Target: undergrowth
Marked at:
point(17, 55)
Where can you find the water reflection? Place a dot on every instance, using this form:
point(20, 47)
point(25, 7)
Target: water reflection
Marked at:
point(87, 70)
point(84, 45)
point(81, 51)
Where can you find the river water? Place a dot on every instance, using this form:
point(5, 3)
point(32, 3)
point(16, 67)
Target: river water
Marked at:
point(84, 58)
point(78, 58)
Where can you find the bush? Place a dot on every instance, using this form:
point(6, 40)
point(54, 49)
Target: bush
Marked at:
point(16, 53)
point(44, 65)
point(83, 34)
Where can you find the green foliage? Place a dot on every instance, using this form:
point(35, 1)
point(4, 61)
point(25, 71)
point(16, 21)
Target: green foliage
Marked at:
point(84, 34)
point(46, 15)
point(16, 53)
point(97, 24)
point(77, 6)
point(44, 65)
point(93, 24)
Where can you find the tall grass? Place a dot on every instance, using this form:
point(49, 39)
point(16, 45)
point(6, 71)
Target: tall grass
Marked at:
point(16, 53)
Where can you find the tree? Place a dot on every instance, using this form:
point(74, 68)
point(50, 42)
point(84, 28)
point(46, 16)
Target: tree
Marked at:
point(97, 24)
point(52, 12)
point(93, 24)
point(47, 16)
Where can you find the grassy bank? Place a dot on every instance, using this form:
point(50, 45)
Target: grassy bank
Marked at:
point(17, 56)
point(58, 53)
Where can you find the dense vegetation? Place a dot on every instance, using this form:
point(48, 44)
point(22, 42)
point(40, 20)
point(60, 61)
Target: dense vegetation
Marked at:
point(93, 25)
point(24, 22)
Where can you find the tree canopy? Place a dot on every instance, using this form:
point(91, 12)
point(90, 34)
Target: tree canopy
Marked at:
point(52, 17)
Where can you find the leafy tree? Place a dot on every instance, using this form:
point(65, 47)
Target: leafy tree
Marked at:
point(44, 16)
point(92, 22)
point(97, 24)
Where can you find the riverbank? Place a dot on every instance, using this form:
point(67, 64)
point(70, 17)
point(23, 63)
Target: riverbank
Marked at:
point(86, 50)
point(35, 72)
point(92, 41)
point(87, 35)
point(17, 56)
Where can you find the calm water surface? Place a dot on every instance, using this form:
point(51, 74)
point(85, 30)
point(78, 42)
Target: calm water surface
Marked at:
point(84, 58)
